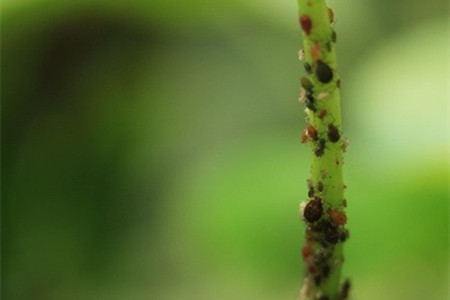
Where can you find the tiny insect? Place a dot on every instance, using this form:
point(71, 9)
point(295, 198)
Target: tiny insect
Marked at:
point(333, 133)
point(345, 144)
point(323, 297)
point(310, 189)
point(304, 136)
point(310, 102)
point(345, 291)
point(320, 148)
point(315, 51)
point(337, 217)
point(306, 250)
point(320, 186)
point(323, 72)
point(333, 36)
point(307, 67)
point(331, 234)
point(306, 84)
point(326, 270)
point(306, 24)
point(330, 15)
point(312, 132)
point(313, 211)
point(344, 235)
point(322, 114)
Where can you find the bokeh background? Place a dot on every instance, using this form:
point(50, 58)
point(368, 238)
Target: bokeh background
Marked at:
point(150, 149)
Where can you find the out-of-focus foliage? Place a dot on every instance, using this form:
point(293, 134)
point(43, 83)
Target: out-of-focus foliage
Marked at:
point(150, 149)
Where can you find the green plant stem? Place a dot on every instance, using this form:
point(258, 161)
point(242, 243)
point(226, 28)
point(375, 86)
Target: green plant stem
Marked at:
point(326, 168)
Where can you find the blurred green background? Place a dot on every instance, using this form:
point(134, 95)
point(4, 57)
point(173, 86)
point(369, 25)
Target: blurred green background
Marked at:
point(151, 149)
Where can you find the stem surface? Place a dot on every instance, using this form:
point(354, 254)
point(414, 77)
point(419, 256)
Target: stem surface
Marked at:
point(323, 212)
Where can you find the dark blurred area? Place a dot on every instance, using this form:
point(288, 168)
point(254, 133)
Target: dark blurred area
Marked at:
point(150, 149)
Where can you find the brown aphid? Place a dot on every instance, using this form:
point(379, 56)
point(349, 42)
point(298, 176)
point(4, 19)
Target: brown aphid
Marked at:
point(313, 211)
point(326, 270)
point(337, 217)
point(331, 234)
point(333, 36)
point(320, 148)
point(323, 72)
point(333, 133)
point(310, 190)
point(306, 24)
point(322, 114)
point(344, 235)
point(315, 51)
point(306, 250)
point(306, 84)
point(345, 291)
point(320, 186)
point(330, 15)
point(307, 67)
point(305, 136)
point(319, 226)
point(312, 132)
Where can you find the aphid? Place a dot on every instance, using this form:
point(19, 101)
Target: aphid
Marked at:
point(330, 15)
point(304, 136)
point(315, 51)
point(310, 191)
point(320, 148)
point(344, 201)
point(333, 36)
point(331, 234)
point(312, 132)
point(326, 270)
point(302, 95)
point(323, 95)
point(333, 133)
point(345, 144)
point(310, 102)
point(323, 72)
point(306, 250)
point(307, 67)
point(319, 226)
point(323, 297)
point(301, 54)
point(320, 186)
point(345, 290)
point(328, 45)
point(306, 24)
point(337, 217)
point(338, 83)
point(317, 279)
point(344, 235)
point(306, 84)
point(313, 211)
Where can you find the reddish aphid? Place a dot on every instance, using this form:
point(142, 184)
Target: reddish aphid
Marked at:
point(322, 114)
point(305, 136)
point(306, 24)
point(306, 250)
point(315, 51)
point(337, 217)
point(312, 132)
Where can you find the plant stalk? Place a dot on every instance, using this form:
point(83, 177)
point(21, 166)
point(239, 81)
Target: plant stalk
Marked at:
point(323, 212)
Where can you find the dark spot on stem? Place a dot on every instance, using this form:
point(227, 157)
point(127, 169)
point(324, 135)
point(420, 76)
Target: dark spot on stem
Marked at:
point(323, 72)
